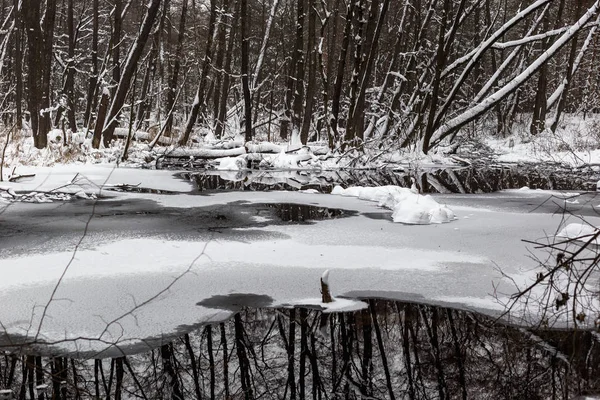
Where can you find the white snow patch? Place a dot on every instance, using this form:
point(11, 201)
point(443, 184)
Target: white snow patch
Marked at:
point(580, 232)
point(337, 305)
point(408, 207)
point(536, 192)
point(74, 178)
point(146, 256)
point(325, 277)
point(231, 163)
point(260, 219)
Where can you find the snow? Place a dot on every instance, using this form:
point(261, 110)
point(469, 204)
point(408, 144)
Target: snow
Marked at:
point(408, 207)
point(575, 142)
point(550, 193)
point(580, 232)
point(337, 305)
point(325, 277)
point(231, 163)
point(75, 178)
point(487, 103)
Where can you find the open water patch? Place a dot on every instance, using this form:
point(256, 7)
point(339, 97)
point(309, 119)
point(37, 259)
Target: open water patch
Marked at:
point(390, 349)
point(291, 212)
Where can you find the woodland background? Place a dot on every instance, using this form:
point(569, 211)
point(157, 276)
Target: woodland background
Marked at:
point(392, 74)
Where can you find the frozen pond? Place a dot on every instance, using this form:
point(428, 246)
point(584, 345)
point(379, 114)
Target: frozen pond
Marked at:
point(140, 256)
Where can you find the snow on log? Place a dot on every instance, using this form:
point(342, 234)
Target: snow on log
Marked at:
point(265, 147)
point(231, 163)
point(232, 144)
point(205, 153)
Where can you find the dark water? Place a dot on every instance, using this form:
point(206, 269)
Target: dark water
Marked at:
point(289, 212)
point(389, 350)
point(432, 180)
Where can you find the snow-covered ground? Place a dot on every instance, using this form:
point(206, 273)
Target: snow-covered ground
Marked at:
point(91, 178)
point(146, 260)
point(576, 142)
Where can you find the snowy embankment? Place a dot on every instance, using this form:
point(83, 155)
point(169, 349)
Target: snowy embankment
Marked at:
point(226, 154)
point(575, 142)
point(408, 206)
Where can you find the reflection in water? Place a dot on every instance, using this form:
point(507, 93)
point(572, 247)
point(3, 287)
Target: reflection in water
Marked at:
point(390, 350)
point(433, 180)
point(289, 212)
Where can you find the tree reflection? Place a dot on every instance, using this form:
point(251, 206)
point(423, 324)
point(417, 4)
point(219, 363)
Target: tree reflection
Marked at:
point(390, 350)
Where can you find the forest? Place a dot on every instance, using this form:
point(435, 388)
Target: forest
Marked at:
point(365, 74)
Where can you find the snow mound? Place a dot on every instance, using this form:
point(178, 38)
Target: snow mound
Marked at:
point(580, 232)
point(231, 163)
point(408, 207)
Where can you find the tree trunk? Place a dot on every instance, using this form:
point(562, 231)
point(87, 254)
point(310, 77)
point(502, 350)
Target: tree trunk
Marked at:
point(192, 358)
point(220, 58)
point(143, 111)
point(224, 89)
point(225, 360)
point(119, 378)
point(312, 72)
point(436, 87)
point(128, 71)
point(211, 360)
point(292, 74)
point(39, 378)
point(538, 119)
point(406, 349)
point(291, 349)
point(568, 74)
point(200, 97)
point(381, 347)
point(115, 41)
point(168, 359)
point(97, 378)
point(18, 66)
point(350, 138)
point(242, 356)
point(176, 67)
point(244, 17)
point(303, 353)
point(93, 81)
point(100, 118)
point(298, 93)
point(39, 59)
point(70, 73)
point(367, 360)
point(339, 79)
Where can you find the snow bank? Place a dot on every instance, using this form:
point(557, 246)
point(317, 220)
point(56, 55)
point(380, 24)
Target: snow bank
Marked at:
point(535, 192)
point(408, 206)
point(579, 232)
point(285, 161)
